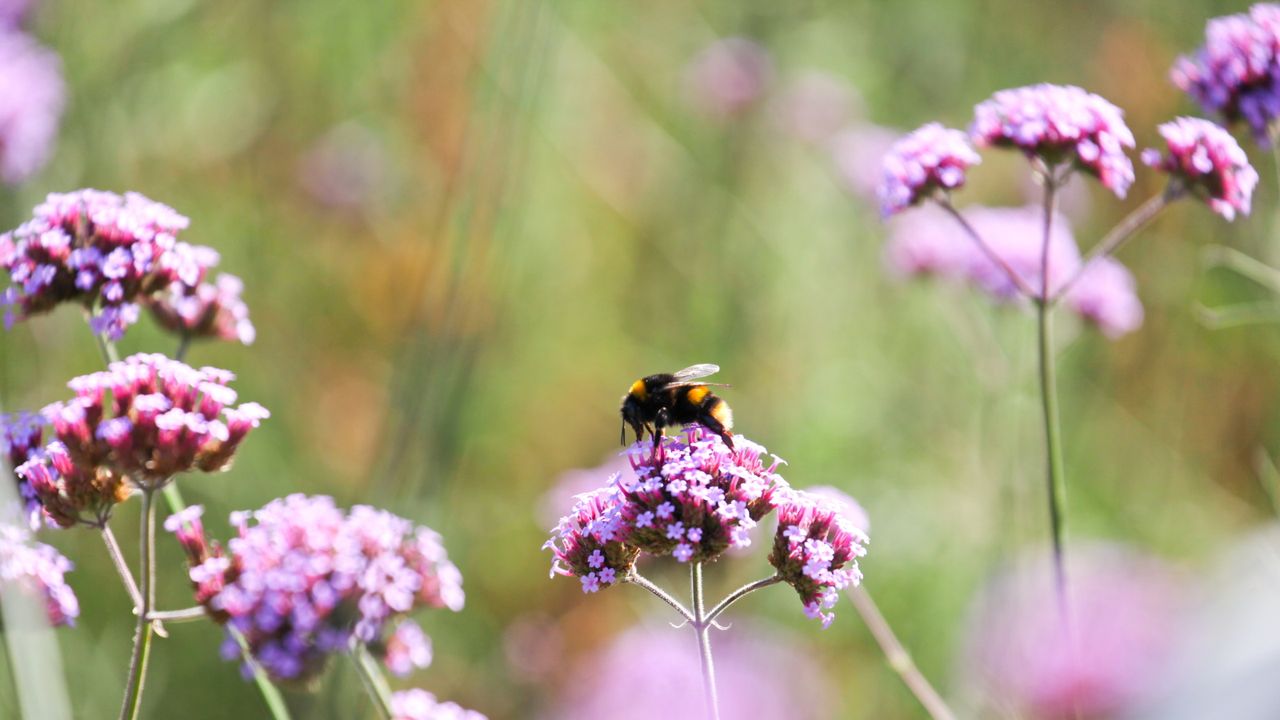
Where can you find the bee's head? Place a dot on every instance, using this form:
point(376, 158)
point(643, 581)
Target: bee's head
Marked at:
point(632, 413)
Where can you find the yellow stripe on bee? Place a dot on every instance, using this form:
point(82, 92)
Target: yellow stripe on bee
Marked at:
point(723, 414)
point(697, 393)
point(637, 389)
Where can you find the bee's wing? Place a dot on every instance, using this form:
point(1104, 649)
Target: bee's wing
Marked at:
point(690, 375)
point(693, 372)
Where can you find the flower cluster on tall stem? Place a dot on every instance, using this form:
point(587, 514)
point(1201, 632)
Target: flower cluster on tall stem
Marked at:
point(1064, 130)
point(303, 579)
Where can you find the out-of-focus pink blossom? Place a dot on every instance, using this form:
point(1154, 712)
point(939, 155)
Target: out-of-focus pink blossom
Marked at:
point(418, 704)
point(858, 152)
point(208, 310)
point(1107, 296)
point(927, 242)
point(346, 169)
point(1236, 73)
point(1016, 236)
point(652, 671)
point(728, 77)
point(38, 570)
point(813, 106)
point(1123, 610)
point(32, 95)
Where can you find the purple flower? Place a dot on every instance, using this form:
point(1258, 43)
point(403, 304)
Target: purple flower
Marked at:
point(817, 546)
point(588, 541)
point(32, 96)
point(1107, 296)
point(39, 570)
point(933, 158)
point(70, 493)
point(148, 418)
point(761, 674)
point(1209, 162)
point(407, 648)
point(1236, 73)
point(1058, 124)
point(13, 12)
point(101, 250)
point(728, 76)
point(418, 704)
point(1123, 616)
point(704, 486)
point(20, 436)
point(302, 578)
point(207, 310)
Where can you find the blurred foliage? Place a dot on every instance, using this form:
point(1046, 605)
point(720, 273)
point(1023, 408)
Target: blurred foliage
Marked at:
point(533, 215)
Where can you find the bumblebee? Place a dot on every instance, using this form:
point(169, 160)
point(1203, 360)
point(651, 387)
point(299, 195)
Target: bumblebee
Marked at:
point(659, 401)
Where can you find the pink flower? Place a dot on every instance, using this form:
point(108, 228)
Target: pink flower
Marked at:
point(1123, 612)
point(858, 153)
point(1235, 73)
point(1209, 162)
point(38, 570)
point(813, 107)
point(32, 95)
point(206, 311)
point(933, 158)
point(1107, 296)
point(817, 546)
point(728, 77)
point(1056, 124)
point(418, 704)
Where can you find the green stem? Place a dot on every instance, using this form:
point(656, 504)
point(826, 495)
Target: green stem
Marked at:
point(142, 631)
point(1122, 233)
point(740, 593)
point(179, 616)
point(1057, 480)
point(636, 578)
point(371, 677)
point(117, 559)
point(703, 628)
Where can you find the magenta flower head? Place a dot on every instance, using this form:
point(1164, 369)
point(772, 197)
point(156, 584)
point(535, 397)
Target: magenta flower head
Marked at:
point(1207, 161)
point(20, 436)
point(933, 158)
point(728, 77)
point(100, 250)
point(32, 96)
point(69, 493)
point(149, 418)
point(1124, 621)
point(1060, 124)
point(303, 579)
point(817, 546)
point(37, 570)
point(693, 498)
point(208, 310)
point(418, 704)
point(1236, 73)
point(1107, 296)
point(587, 543)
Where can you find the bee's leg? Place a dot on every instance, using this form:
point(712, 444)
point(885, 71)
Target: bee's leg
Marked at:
point(660, 422)
point(709, 422)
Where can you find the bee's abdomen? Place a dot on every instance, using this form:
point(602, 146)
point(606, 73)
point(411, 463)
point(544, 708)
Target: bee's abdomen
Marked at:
point(719, 409)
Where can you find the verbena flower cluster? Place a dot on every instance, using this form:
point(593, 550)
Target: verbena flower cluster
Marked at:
point(929, 242)
point(692, 498)
point(1208, 161)
point(1060, 124)
point(418, 704)
point(105, 252)
point(144, 419)
point(816, 548)
point(32, 96)
point(20, 438)
point(1236, 74)
point(208, 310)
point(303, 578)
point(38, 570)
point(931, 158)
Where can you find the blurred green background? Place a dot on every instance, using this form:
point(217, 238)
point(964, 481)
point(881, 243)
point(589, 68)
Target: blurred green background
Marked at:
point(465, 226)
